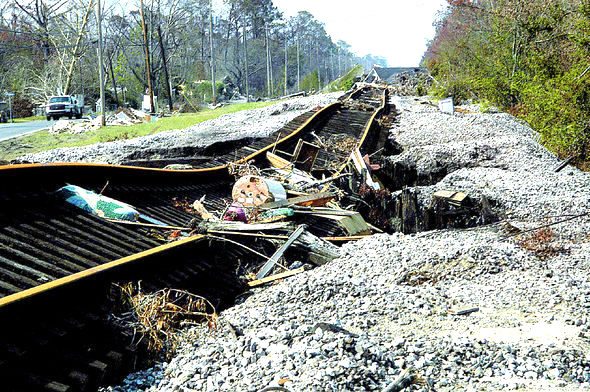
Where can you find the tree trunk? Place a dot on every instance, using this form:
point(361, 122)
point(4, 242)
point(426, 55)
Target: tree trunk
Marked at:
point(147, 58)
point(298, 61)
point(317, 58)
point(165, 66)
point(75, 54)
point(113, 79)
point(285, 89)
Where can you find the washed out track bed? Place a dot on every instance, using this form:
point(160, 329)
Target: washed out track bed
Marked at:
point(59, 267)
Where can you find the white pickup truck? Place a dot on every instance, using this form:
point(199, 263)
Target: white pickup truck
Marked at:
point(62, 105)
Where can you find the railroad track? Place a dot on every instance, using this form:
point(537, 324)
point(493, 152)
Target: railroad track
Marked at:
point(57, 263)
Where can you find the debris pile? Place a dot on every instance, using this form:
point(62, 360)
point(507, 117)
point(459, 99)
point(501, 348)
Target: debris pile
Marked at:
point(127, 116)
point(123, 116)
point(410, 83)
point(74, 126)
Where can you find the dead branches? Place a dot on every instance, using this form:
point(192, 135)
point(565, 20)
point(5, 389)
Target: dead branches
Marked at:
point(159, 315)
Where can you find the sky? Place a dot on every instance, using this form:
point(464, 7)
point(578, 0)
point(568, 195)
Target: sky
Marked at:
point(395, 29)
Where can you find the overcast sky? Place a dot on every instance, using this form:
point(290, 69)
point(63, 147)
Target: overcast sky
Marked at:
point(395, 29)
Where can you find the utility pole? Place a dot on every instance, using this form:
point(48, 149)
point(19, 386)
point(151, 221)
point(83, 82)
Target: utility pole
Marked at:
point(268, 88)
point(298, 61)
point(272, 87)
point(246, 59)
point(100, 64)
point(211, 41)
point(285, 89)
point(147, 58)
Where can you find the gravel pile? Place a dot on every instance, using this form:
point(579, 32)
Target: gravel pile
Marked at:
point(387, 303)
point(234, 126)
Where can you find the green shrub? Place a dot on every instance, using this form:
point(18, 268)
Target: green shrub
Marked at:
point(203, 93)
point(311, 81)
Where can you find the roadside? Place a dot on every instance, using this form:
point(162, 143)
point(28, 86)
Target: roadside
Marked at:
point(12, 147)
point(118, 144)
point(20, 128)
point(28, 119)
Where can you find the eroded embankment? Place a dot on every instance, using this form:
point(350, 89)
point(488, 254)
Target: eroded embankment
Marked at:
point(394, 302)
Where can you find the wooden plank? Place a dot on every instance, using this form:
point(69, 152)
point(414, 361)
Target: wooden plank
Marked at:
point(320, 198)
point(363, 170)
point(277, 255)
point(305, 155)
point(271, 278)
point(349, 238)
point(240, 226)
point(277, 161)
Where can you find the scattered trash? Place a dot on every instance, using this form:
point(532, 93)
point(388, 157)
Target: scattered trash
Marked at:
point(97, 204)
point(123, 116)
point(460, 312)
point(445, 105)
point(251, 191)
point(451, 197)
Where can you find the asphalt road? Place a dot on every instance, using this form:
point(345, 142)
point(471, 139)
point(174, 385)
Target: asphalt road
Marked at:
point(9, 130)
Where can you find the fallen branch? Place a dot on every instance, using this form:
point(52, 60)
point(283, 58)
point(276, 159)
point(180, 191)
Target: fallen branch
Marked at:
point(405, 379)
point(547, 225)
point(272, 278)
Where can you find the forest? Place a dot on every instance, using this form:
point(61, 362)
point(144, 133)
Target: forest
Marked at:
point(531, 58)
point(50, 47)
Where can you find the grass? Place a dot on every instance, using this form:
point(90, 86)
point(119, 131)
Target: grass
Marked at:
point(29, 119)
point(43, 140)
point(345, 82)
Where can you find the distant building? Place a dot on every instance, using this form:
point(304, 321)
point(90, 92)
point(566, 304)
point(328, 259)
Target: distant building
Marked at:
point(387, 74)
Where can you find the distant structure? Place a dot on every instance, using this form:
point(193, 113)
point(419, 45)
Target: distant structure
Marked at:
point(387, 74)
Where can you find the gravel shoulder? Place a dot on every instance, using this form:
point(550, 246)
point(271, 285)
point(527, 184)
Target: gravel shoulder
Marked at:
point(356, 323)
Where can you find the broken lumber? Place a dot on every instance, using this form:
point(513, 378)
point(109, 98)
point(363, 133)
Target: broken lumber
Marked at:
point(409, 205)
point(322, 211)
point(321, 182)
point(363, 170)
point(405, 379)
point(286, 274)
point(277, 255)
point(314, 199)
point(240, 226)
point(461, 312)
point(318, 250)
point(452, 197)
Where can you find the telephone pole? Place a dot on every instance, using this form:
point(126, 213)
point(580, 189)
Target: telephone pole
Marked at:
point(246, 61)
point(100, 63)
point(211, 41)
point(285, 90)
point(298, 61)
